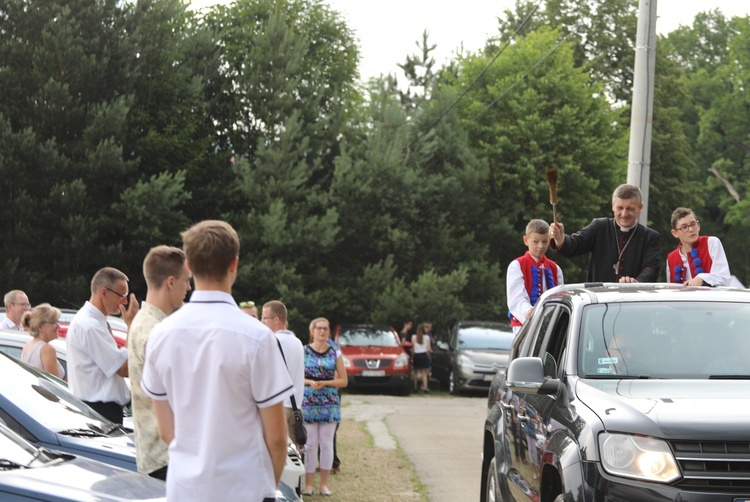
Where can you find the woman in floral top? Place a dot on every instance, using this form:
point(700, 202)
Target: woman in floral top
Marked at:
point(321, 408)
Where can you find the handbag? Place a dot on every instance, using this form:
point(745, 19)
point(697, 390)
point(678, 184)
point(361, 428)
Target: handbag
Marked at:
point(300, 433)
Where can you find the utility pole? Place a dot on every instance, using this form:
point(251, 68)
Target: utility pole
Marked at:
point(642, 110)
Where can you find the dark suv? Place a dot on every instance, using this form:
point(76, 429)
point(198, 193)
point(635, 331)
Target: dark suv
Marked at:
point(624, 392)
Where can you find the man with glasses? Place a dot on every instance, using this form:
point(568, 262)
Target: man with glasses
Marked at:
point(697, 261)
point(96, 366)
point(621, 249)
point(16, 304)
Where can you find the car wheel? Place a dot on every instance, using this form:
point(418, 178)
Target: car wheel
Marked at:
point(452, 387)
point(490, 489)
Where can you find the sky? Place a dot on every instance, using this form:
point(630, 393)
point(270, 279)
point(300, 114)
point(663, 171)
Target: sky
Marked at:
point(388, 30)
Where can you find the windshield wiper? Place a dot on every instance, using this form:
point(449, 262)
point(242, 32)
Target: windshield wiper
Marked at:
point(112, 428)
point(82, 433)
point(8, 465)
point(729, 377)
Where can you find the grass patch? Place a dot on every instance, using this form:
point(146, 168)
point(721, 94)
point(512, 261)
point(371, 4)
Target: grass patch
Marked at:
point(370, 474)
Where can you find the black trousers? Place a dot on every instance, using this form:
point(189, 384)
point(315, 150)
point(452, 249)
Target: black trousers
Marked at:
point(110, 410)
point(160, 473)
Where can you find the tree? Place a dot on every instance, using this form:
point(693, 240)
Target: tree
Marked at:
point(533, 111)
point(713, 56)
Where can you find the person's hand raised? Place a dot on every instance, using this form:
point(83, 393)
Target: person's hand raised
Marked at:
point(557, 233)
point(129, 313)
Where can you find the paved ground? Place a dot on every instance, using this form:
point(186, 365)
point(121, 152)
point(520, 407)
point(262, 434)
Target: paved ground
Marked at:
point(441, 436)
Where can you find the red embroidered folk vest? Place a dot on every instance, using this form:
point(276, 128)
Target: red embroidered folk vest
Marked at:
point(674, 260)
point(527, 262)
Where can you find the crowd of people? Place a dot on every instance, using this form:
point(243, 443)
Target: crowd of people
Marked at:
point(248, 374)
point(252, 376)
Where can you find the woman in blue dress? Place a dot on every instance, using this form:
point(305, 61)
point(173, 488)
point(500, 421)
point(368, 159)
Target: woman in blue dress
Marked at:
point(321, 406)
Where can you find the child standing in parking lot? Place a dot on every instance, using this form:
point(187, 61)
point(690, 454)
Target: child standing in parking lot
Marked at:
point(697, 261)
point(530, 275)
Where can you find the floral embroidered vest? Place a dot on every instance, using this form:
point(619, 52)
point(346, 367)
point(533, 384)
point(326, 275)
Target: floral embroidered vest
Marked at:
point(532, 279)
point(699, 260)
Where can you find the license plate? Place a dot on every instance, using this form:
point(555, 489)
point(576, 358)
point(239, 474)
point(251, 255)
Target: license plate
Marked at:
point(488, 378)
point(373, 373)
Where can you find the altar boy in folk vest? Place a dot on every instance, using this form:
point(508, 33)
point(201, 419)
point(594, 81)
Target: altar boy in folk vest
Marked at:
point(697, 261)
point(530, 275)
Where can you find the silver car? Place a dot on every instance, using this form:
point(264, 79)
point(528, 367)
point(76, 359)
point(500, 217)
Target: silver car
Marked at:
point(468, 357)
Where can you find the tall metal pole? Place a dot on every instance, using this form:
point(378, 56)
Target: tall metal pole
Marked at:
point(642, 111)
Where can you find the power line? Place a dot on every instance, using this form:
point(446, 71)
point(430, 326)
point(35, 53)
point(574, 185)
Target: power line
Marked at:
point(481, 74)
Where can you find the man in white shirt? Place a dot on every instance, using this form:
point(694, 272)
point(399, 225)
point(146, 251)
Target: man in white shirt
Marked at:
point(274, 316)
point(96, 366)
point(168, 281)
point(16, 303)
point(218, 383)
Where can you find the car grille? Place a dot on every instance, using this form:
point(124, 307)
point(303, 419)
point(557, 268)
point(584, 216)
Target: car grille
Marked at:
point(374, 364)
point(715, 465)
point(488, 368)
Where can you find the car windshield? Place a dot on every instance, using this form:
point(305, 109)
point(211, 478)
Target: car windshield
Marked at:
point(665, 340)
point(45, 401)
point(484, 338)
point(367, 337)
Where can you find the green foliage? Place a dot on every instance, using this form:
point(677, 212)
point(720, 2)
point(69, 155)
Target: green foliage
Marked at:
point(123, 123)
point(523, 125)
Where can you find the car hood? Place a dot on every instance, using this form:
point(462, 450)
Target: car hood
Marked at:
point(122, 447)
point(83, 479)
point(672, 409)
point(372, 352)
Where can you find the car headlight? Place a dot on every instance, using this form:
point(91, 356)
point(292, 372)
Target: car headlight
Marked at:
point(402, 361)
point(638, 457)
point(347, 362)
point(464, 361)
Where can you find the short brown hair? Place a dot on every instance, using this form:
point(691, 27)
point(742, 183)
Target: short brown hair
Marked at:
point(106, 277)
point(161, 263)
point(277, 309)
point(44, 312)
point(210, 248)
point(537, 227)
point(627, 191)
point(679, 214)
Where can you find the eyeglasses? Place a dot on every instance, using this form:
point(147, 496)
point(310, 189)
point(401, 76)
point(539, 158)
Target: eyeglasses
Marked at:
point(121, 295)
point(21, 304)
point(691, 226)
point(244, 305)
point(322, 328)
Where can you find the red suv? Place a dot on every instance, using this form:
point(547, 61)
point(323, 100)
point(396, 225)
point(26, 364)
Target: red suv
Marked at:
point(374, 357)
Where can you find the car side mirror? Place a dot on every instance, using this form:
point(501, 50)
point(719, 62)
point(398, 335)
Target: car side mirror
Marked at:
point(442, 345)
point(526, 374)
